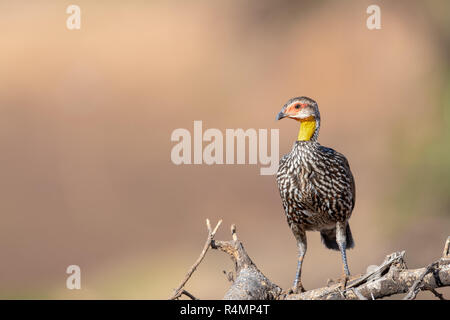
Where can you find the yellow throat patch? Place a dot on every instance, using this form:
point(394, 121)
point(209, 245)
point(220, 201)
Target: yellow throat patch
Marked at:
point(307, 129)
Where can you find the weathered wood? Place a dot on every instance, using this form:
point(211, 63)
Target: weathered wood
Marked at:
point(389, 278)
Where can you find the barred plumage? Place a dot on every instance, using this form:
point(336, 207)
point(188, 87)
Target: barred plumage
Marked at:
point(316, 186)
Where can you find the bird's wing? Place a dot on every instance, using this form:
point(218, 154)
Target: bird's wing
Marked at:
point(333, 185)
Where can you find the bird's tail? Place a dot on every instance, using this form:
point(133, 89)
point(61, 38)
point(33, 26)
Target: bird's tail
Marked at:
point(329, 238)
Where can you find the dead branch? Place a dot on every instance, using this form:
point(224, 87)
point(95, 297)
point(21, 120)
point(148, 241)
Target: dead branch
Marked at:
point(391, 277)
point(187, 294)
point(249, 283)
point(180, 289)
point(414, 290)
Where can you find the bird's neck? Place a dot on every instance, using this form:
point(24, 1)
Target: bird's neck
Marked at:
point(308, 129)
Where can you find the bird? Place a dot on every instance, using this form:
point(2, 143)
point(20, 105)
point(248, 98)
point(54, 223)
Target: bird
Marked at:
point(316, 186)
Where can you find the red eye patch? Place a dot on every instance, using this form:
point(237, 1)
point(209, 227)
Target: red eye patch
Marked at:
point(297, 107)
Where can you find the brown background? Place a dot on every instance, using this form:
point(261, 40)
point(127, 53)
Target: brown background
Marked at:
point(86, 118)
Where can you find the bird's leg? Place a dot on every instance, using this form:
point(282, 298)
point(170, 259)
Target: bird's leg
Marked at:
point(341, 241)
point(300, 235)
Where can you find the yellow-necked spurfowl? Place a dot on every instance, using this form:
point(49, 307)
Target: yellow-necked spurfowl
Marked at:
point(316, 186)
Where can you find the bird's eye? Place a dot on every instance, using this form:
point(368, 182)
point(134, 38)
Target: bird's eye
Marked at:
point(297, 106)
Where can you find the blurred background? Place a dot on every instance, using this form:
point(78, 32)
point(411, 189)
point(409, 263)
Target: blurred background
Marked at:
point(86, 118)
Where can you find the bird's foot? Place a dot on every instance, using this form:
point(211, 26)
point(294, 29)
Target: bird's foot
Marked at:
point(296, 289)
point(344, 281)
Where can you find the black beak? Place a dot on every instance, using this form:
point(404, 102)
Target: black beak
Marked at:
point(281, 115)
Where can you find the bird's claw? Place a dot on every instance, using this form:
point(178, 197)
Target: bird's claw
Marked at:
point(344, 281)
point(296, 289)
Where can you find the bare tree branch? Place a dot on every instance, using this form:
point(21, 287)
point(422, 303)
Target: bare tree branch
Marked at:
point(180, 289)
point(414, 290)
point(250, 283)
point(391, 277)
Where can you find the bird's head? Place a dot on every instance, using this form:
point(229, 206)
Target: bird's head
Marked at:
point(306, 111)
point(300, 109)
